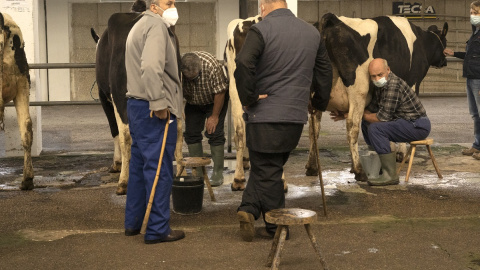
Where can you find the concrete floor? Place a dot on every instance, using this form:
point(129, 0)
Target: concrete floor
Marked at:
point(74, 220)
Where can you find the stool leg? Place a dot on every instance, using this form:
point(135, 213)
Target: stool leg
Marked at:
point(281, 243)
point(404, 159)
point(207, 182)
point(273, 249)
point(315, 245)
point(412, 155)
point(434, 162)
point(181, 170)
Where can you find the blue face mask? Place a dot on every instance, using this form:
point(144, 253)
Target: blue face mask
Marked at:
point(475, 20)
point(380, 83)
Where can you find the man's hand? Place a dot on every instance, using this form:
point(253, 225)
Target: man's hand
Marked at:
point(337, 115)
point(212, 123)
point(262, 96)
point(162, 114)
point(448, 52)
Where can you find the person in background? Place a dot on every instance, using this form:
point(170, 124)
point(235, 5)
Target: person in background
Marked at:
point(471, 71)
point(205, 89)
point(154, 100)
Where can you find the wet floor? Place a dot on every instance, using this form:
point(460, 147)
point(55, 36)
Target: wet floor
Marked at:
point(427, 223)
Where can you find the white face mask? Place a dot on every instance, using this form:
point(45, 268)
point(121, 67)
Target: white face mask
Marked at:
point(170, 15)
point(475, 20)
point(381, 82)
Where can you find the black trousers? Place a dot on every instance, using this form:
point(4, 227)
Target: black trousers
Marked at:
point(264, 191)
point(195, 117)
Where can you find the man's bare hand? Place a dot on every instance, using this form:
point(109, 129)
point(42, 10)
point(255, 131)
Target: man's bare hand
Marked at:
point(262, 96)
point(212, 123)
point(162, 114)
point(337, 115)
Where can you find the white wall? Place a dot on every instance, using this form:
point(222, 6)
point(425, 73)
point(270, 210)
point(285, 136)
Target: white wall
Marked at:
point(58, 51)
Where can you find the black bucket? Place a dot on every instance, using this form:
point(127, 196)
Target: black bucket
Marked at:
point(187, 195)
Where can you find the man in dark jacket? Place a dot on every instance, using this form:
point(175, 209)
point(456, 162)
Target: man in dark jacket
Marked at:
point(281, 58)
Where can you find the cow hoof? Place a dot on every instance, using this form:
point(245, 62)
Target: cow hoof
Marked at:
point(27, 184)
point(121, 189)
point(238, 185)
point(113, 170)
point(361, 177)
point(400, 156)
point(311, 172)
point(285, 189)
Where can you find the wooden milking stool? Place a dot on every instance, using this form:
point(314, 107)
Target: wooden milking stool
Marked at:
point(194, 162)
point(283, 218)
point(411, 153)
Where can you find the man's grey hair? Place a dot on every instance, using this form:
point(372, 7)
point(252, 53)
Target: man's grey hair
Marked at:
point(191, 64)
point(385, 63)
point(150, 2)
point(271, 1)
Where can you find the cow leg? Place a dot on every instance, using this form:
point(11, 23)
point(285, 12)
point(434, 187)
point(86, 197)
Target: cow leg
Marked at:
point(26, 134)
point(125, 141)
point(311, 166)
point(112, 122)
point(179, 145)
point(240, 143)
point(357, 99)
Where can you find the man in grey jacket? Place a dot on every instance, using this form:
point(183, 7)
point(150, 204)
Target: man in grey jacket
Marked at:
point(281, 59)
point(154, 100)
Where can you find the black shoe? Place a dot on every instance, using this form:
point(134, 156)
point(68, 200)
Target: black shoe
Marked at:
point(173, 236)
point(131, 232)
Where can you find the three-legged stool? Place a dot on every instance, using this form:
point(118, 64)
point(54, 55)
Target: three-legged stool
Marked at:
point(194, 162)
point(411, 153)
point(283, 218)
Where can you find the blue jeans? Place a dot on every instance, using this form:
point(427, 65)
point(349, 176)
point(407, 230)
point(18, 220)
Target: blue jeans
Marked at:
point(380, 134)
point(473, 97)
point(147, 139)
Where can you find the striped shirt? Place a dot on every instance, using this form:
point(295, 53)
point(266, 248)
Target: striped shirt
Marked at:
point(212, 81)
point(396, 100)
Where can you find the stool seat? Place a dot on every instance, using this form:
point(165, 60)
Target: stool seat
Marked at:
point(411, 153)
point(427, 141)
point(283, 218)
point(194, 162)
point(290, 216)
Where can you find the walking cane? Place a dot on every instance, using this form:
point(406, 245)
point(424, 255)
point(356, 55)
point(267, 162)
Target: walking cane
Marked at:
point(312, 118)
point(154, 186)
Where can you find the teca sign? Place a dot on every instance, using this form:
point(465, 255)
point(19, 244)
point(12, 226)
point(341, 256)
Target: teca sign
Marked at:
point(413, 11)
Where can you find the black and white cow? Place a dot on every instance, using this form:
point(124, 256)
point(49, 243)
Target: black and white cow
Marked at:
point(352, 43)
point(112, 84)
point(237, 32)
point(15, 85)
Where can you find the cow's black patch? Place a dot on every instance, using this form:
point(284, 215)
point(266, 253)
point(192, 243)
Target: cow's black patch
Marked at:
point(392, 45)
point(2, 21)
point(346, 48)
point(20, 56)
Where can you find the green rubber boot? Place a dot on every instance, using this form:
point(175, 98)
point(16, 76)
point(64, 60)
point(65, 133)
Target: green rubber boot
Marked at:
point(218, 158)
point(389, 168)
point(196, 150)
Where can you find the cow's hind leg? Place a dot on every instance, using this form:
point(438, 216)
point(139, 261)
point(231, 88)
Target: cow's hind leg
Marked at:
point(26, 133)
point(125, 146)
point(179, 145)
point(311, 166)
point(112, 122)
